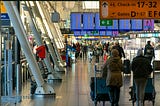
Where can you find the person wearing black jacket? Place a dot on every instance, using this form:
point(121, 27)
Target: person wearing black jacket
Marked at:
point(149, 51)
point(120, 49)
point(142, 69)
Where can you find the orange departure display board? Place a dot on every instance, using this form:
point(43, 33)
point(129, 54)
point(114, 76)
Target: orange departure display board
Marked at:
point(129, 9)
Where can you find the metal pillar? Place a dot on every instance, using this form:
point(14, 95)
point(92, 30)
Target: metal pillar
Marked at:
point(0, 62)
point(37, 36)
point(17, 60)
point(47, 25)
point(42, 88)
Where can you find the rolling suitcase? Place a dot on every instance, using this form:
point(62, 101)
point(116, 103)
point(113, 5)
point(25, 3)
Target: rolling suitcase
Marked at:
point(127, 68)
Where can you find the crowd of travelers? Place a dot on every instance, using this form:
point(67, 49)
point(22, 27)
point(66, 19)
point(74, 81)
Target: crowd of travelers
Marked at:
point(140, 66)
point(112, 54)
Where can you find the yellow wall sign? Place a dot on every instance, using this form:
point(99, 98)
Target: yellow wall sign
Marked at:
point(3, 9)
point(129, 9)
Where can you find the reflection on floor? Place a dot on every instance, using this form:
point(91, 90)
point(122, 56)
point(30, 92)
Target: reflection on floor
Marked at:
point(74, 90)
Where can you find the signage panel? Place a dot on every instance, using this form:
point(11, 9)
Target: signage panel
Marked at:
point(88, 21)
point(4, 16)
point(89, 33)
point(148, 24)
point(115, 33)
point(106, 22)
point(129, 9)
point(76, 21)
point(124, 25)
point(83, 33)
point(136, 25)
point(97, 23)
point(108, 33)
point(102, 33)
point(3, 8)
point(114, 27)
point(77, 33)
point(5, 20)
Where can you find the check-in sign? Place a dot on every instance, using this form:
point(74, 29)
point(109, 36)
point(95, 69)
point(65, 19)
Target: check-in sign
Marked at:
point(129, 9)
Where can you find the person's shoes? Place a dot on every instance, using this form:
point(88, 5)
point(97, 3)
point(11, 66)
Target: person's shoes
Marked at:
point(112, 104)
point(116, 104)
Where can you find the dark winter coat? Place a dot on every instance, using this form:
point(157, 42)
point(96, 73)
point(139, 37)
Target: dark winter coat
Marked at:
point(149, 51)
point(141, 67)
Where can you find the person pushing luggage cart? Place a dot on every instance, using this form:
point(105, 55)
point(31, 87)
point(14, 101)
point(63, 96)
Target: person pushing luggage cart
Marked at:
point(142, 88)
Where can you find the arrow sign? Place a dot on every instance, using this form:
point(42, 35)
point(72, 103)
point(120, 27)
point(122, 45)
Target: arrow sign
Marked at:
point(106, 22)
point(105, 4)
point(104, 8)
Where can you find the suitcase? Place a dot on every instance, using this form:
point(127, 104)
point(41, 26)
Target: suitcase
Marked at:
point(127, 68)
point(150, 92)
point(99, 91)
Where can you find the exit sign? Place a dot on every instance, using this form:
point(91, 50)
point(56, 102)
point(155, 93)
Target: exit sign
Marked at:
point(106, 22)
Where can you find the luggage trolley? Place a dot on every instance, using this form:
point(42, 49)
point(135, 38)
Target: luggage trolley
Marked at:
point(99, 90)
point(150, 92)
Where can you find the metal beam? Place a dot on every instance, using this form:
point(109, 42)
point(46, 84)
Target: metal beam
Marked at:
point(38, 38)
point(12, 11)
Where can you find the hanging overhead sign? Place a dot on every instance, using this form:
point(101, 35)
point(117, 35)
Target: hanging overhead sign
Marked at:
point(2, 7)
point(129, 9)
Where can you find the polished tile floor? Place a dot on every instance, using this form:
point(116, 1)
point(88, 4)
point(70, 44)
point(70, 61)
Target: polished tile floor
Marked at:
point(74, 90)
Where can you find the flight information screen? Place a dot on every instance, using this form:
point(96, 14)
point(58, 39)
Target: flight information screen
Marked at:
point(114, 27)
point(148, 24)
point(76, 21)
point(136, 25)
point(124, 25)
point(88, 21)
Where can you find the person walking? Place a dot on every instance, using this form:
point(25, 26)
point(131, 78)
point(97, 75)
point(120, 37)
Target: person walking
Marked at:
point(119, 48)
point(142, 69)
point(149, 51)
point(112, 72)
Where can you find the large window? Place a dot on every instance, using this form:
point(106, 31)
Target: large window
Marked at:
point(90, 5)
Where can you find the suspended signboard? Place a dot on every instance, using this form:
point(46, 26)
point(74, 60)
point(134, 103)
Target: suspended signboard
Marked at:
point(102, 33)
point(108, 33)
point(136, 25)
point(76, 21)
point(97, 23)
point(124, 25)
point(148, 25)
point(83, 32)
point(129, 9)
point(77, 33)
point(114, 27)
point(2, 7)
point(88, 21)
point(115, 33)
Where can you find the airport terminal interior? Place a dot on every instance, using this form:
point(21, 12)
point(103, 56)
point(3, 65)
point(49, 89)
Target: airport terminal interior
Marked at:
point(49, 57)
